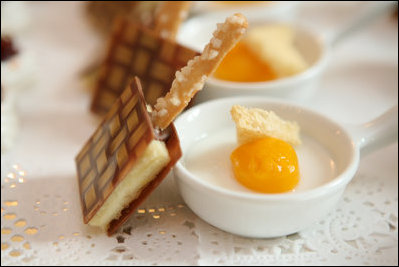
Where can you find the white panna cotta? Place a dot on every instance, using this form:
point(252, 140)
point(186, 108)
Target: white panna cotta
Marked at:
point(209, 159)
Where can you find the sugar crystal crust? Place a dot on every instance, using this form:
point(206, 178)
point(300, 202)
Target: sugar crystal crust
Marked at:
point(191, 78)
point(254, 123)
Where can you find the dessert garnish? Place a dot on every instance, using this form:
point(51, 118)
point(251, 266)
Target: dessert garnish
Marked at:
point(135, 146)
point(265, 160)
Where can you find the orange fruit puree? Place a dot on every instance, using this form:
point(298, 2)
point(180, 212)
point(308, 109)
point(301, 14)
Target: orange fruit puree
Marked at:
point(242, 65)
point(266, 165)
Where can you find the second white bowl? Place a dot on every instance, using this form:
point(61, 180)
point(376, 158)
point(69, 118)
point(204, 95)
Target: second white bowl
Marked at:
point(233, 209)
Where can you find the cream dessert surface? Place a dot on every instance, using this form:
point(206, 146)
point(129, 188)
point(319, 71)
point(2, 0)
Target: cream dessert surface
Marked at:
point(209, 159)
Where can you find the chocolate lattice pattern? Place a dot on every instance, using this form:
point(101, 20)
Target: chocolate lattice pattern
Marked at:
point(137, 51)
point(121, 138)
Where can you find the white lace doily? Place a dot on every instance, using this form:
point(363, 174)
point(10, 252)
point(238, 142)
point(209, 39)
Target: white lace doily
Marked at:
point(41, 224)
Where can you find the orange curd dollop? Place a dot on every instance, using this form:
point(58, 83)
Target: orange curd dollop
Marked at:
point(242, 65)
point(266, 165)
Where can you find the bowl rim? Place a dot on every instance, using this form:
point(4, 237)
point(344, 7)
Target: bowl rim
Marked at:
point(279, 84)
point(336, 183)
point(312, 71)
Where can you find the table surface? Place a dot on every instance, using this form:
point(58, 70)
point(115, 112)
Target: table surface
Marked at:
point(41, 218)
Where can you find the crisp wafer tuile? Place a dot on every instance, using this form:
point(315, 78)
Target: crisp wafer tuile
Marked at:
point(112, 154)
point(191, 78)
point(275, 45)
point(255, 123)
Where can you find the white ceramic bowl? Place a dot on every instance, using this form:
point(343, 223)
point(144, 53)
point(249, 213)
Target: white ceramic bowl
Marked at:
point(197, 32)
point(315, 47)
point(252, 214)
